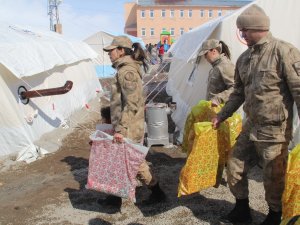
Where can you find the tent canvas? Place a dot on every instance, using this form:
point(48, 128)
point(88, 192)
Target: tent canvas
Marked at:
point(40, 60)
point(102, 63)
point(187, 82)
point(97, 42)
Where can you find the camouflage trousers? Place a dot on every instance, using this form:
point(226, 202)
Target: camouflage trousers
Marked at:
point(246, 154)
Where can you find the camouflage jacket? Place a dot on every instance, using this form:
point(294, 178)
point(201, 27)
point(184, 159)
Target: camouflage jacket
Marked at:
point(220, 80)
point(127, 101)
point(267, 81)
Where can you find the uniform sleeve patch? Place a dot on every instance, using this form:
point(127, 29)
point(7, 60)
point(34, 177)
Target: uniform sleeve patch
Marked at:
point(129, 76)
point(130, 83)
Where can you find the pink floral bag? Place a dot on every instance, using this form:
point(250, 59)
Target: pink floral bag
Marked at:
point(113, 167)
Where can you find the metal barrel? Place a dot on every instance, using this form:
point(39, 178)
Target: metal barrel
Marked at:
point(157, 120)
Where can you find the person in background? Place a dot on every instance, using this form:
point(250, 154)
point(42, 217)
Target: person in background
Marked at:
point(150, 48)
point(267, 82)
point(221, 76)
point(166, 45)
point(154, 55)
point(161, 52)
point(127, 108)
point(105, 115)
point(105, 118)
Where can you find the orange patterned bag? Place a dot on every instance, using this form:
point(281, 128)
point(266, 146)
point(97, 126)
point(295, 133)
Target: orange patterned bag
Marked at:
point(291, 194)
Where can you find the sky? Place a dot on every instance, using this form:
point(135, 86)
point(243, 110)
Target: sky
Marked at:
point(79, 18)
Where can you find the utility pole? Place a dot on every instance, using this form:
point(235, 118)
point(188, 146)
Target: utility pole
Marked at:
point(55, 24)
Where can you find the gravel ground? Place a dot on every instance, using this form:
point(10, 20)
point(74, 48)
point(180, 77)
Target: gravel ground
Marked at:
point(50, 191)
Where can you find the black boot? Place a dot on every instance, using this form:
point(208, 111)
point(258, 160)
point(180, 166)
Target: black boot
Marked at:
point(273, 218)
point(111, 203)
point(156, 196)
point(240, 213)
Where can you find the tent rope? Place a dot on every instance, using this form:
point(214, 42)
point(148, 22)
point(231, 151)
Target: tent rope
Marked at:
point(163, 79)
point(151, 100)
point(158, 72)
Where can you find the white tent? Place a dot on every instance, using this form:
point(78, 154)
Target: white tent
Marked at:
point(188, 86)
point(37, 61)
point(103, 64)
point(97, 42)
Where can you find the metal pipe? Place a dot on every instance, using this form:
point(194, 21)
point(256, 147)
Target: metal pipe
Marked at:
point(47, 92)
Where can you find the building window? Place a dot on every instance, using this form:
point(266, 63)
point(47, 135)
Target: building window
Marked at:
point(151, 31)
point(151, 13)
point(190, 13)
point(181, 31)
point(202, 13)
point(172, 32)
point(172, 13)
point(181, 13)
point(143, 14)
point(163, 13)
point(164, 29)
point(143, 32)
point(220, 12)
point(210, 13)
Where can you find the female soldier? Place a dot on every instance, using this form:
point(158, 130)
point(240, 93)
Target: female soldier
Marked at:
point(127, 107)
point(221, 76)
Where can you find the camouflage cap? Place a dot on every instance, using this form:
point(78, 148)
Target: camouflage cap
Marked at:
point(208, 45)
point(119, 41)
point(253, 18)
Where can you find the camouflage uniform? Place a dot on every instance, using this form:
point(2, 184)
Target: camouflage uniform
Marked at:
point(127, 103)
point(127, 107)
point(267, 81)
point(220, 80)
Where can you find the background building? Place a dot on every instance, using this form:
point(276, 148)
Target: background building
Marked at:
point(147, 19)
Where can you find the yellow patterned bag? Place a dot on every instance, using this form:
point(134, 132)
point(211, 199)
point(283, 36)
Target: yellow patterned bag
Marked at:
point(295, 220)
point(208, 152)
point(202, 112)
point(231, 130)
point(291, 194)
point(205, 162)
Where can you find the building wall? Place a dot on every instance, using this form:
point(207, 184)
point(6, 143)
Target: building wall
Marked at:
point(157, 23)
point(130, 10)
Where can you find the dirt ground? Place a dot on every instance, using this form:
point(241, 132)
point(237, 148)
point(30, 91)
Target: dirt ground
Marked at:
point(51, 190)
